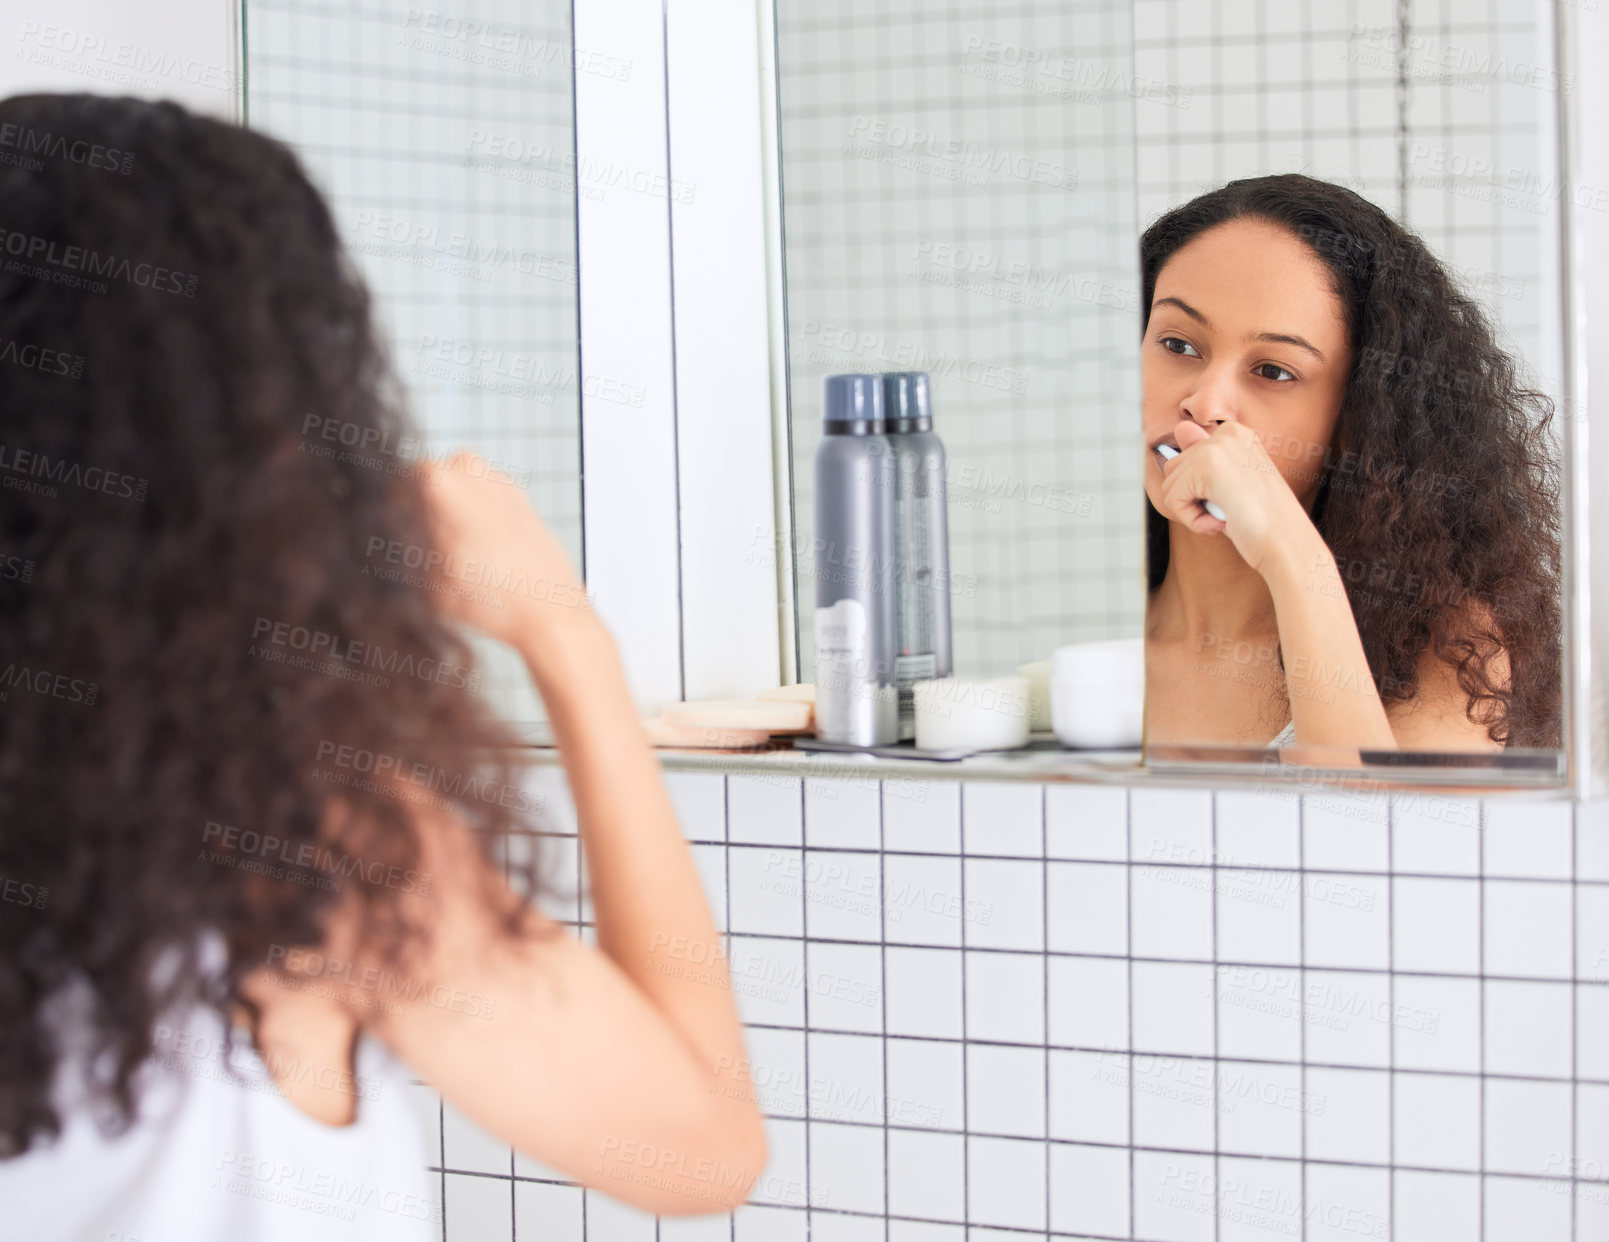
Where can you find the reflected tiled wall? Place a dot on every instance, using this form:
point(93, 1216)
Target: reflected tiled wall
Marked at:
point(1078, 1011)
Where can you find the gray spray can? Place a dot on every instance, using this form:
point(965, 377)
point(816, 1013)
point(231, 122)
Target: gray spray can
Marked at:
point(921, 540)
point(857, 699)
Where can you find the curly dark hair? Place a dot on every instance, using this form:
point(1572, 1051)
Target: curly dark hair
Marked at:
point(1439, 496)
point(216, 720)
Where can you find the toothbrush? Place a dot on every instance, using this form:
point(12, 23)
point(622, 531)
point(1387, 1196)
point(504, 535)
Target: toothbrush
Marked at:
point(1167, 452)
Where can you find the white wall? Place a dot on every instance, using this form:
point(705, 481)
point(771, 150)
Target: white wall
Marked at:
point(186, 50)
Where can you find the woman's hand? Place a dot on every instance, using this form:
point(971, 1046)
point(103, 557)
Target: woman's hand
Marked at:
point(1230, 467)
point(495, 564)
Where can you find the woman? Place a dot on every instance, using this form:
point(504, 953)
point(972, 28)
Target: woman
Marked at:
point(1385, 571)
point(247, 793)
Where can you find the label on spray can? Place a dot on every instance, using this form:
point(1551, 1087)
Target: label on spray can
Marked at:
point(843, 667)
point(908, 670)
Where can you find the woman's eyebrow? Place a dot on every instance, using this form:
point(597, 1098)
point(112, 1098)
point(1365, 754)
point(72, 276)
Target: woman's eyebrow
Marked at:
point(1288, 339)
point(1285, 338)
point(1185, 307)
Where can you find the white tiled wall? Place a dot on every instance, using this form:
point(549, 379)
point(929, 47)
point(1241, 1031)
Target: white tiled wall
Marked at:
point(997, 1011)
point(1460, 155)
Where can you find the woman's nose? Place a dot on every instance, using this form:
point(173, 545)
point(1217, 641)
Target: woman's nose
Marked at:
point(1211, 403)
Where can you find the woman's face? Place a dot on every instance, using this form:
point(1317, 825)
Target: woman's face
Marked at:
point(1245, 326)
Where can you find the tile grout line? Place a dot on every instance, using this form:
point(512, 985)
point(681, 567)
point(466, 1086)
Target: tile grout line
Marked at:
point(1212, 874)
point(1044, 915)
point(1128, 931)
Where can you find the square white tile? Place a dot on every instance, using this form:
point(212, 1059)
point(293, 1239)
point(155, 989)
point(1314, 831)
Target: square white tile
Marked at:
point(926, 1084)
point(1259, 916)
point(1431, 1207)
point(825, 1227)
point(1006, 1182)
point(1089, 1002)
point(1086, 822)
point(1008, 897)
point(1170, 826)
point(1344, 1203)
point(1006, 1090)
point(924, 991)
point(1089, 1096)
point(1257, 830)
point(846, 1167)
point(1438, 1120)
point(846, 1078)
point(1089, 1190)
point(782, 1183)
point(1343, 831)
point(1436, 1023)
point(1260, 1108)
point(1171, 911)
point(479, 1207)
point(1527, 1125)
point(1591, 934)
point(1347, 920)
point(1592, 1030)
point(1005, 997)
point(1174, 1102)
point(1592, 1133)
point(1259, 1012)
point(1172, 1007)
point(922, 816)
point(1348, 1115)
point(1174, 1196)
point(549, 1213)
point(843, 814)
point(1000, 817)
point(1527, 1028)
point(1434, 834)
point(700, 802)
point(1260, 1199)
point(469, 1149)
point(922, 899)
point(1348, 1017)
point(1527, 838)
point(1435, 925)
point(1527, 929)
point(1592, 839)
point(843, 895)
point(1525, 1209)
point(766, 891)
point(777, 1070)
point(1088, 907)
point(753, 1223)
point(768, 979)
point(926, 1175)
point(765, 810)
point(845, 986)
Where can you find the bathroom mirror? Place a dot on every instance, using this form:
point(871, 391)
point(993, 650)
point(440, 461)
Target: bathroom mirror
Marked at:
point(964, 194)
point(445, 141)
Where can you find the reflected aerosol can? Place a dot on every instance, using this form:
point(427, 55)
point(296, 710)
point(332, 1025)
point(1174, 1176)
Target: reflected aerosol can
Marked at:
point(857, 698)
point(921, 540)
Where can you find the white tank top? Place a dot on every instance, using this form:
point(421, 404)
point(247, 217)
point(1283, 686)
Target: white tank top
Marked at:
point(210, 1158)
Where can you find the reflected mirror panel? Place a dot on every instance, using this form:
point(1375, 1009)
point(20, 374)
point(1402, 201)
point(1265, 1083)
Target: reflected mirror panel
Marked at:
point(958, 199)
point(1374, 377)
point(445, 140)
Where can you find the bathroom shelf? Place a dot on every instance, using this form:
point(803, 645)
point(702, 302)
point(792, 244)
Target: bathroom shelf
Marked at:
point(1045, 762)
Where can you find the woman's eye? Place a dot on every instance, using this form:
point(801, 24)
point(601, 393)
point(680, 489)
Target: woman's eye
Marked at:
point(1279, 372)
point(1174, 345)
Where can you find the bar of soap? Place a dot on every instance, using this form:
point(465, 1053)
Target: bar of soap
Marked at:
point(799, 692)
point(702, 737)
point(769, 716)
point(972, 713)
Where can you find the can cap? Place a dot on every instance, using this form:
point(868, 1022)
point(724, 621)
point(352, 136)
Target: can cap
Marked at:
point(852, 405)
point(906, 403)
